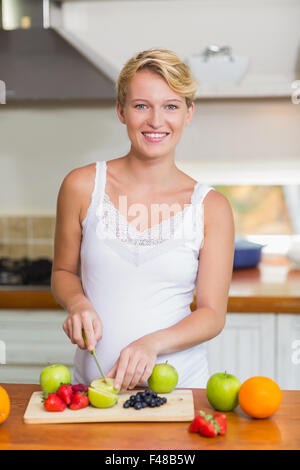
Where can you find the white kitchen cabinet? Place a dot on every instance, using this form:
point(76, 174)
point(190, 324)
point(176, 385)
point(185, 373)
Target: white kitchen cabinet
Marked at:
point(259, 344)
point(245, 347)
point(33, 339)
point(288, 351)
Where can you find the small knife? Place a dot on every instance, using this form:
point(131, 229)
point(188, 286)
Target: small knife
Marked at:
point(94, 355)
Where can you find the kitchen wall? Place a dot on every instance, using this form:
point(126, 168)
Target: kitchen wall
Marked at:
point(41, 143)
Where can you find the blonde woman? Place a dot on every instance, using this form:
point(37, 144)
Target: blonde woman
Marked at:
point(135, 236)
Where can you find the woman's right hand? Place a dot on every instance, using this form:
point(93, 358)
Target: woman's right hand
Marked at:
point(83, 316)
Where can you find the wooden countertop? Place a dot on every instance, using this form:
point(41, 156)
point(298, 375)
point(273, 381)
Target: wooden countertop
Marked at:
point(272, 287)
point(281, 431)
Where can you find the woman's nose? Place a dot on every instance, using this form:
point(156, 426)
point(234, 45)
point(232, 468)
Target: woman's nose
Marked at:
point(155, 119)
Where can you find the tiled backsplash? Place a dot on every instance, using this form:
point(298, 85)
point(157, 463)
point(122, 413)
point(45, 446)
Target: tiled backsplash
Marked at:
point(31, 237)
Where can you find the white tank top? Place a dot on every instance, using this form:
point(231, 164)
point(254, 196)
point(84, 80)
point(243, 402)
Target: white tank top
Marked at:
point(140, 282)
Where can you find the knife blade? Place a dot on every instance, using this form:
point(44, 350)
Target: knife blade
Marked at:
point(93, 353)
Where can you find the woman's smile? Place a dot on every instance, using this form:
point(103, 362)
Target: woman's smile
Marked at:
point(155, 137)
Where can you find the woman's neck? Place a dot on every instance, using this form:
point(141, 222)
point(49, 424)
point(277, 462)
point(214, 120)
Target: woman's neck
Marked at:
point(151, 173)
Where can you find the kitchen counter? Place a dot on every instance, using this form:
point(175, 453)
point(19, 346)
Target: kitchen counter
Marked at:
point(281, 431)
point(272, 287)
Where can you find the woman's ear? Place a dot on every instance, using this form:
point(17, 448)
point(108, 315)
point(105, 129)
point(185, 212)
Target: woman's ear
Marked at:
point(190, 114)
point(120, 112)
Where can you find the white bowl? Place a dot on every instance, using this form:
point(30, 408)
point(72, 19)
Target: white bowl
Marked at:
point(219, 69)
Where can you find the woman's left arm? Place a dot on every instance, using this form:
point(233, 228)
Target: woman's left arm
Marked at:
point(212, 287)
point(213, 281)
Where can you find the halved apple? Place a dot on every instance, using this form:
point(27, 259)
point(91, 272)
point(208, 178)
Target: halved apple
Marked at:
point(102, 394)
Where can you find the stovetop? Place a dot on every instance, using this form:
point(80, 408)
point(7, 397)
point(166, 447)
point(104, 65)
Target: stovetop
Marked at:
point(24, 271)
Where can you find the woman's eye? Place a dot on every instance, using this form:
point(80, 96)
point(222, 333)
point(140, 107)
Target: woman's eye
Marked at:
point(169, 106)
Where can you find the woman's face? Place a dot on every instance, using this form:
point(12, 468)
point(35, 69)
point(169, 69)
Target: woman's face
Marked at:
point(154, 114)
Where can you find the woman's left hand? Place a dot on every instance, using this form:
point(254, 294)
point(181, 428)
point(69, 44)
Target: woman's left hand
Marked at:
point(135, 364)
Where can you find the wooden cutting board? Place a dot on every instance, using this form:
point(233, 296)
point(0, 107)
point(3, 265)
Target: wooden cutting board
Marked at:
point(179, 407)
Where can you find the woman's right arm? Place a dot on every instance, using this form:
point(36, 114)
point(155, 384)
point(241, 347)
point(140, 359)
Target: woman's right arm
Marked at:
point(65, 278)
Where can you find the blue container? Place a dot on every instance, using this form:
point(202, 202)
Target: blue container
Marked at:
point(246, 254)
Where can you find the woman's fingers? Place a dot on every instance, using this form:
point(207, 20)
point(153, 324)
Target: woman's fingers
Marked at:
point(147, 372)
point(122, 370)
point(77, 323)
point(97, 326)
point(65, 328)
point(76, 331)
point(112, 372)
point(87, 325)
point(134, 366)
point(139, 372)
point(68, 329)
point(134, 370)
point(87, 320)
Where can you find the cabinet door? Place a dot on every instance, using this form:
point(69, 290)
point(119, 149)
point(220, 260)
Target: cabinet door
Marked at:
point(288, 351)
point(245, 347)
point(33, 339)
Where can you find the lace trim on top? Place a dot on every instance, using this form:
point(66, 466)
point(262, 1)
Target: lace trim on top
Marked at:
point(117, 227)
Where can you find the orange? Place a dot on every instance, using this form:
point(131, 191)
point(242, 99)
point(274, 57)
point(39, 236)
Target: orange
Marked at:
point(4, 404)
point(259, 397)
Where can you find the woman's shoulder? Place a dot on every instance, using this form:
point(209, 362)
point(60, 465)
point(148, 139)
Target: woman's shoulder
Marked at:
point(80, 179)
point(81, 172)
point(77, 188)
point(217, 207)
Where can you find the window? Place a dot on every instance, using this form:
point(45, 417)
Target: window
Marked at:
point(259, 209)
point(266, 214)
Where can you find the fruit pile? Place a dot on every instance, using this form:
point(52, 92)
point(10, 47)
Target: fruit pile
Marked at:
point(73, 396)
point(144, 399)
point(258, 397)
point(209, 425)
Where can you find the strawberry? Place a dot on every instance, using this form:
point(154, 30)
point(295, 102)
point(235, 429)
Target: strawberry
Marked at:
point(197, 422)
point(79, 388)
point(79, 400)
point(220, 418)
point(54, 403)
point(205, 425)
point(65, 392)
point(208, 429)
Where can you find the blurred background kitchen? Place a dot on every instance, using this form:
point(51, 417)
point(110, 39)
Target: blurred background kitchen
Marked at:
point(59, 61)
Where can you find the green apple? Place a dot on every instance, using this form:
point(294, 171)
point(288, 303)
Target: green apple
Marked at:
point(53, 376)
point(222, 391)
point(102, 394)
point(163, 379)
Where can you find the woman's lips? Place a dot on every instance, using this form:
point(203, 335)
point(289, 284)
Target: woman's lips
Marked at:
point(155, 137)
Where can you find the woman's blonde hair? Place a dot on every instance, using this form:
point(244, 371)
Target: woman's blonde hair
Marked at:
point(166, 64)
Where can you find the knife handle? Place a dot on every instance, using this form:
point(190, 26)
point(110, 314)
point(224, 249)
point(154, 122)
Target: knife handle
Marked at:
point(93, 354)
point(85, 341)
